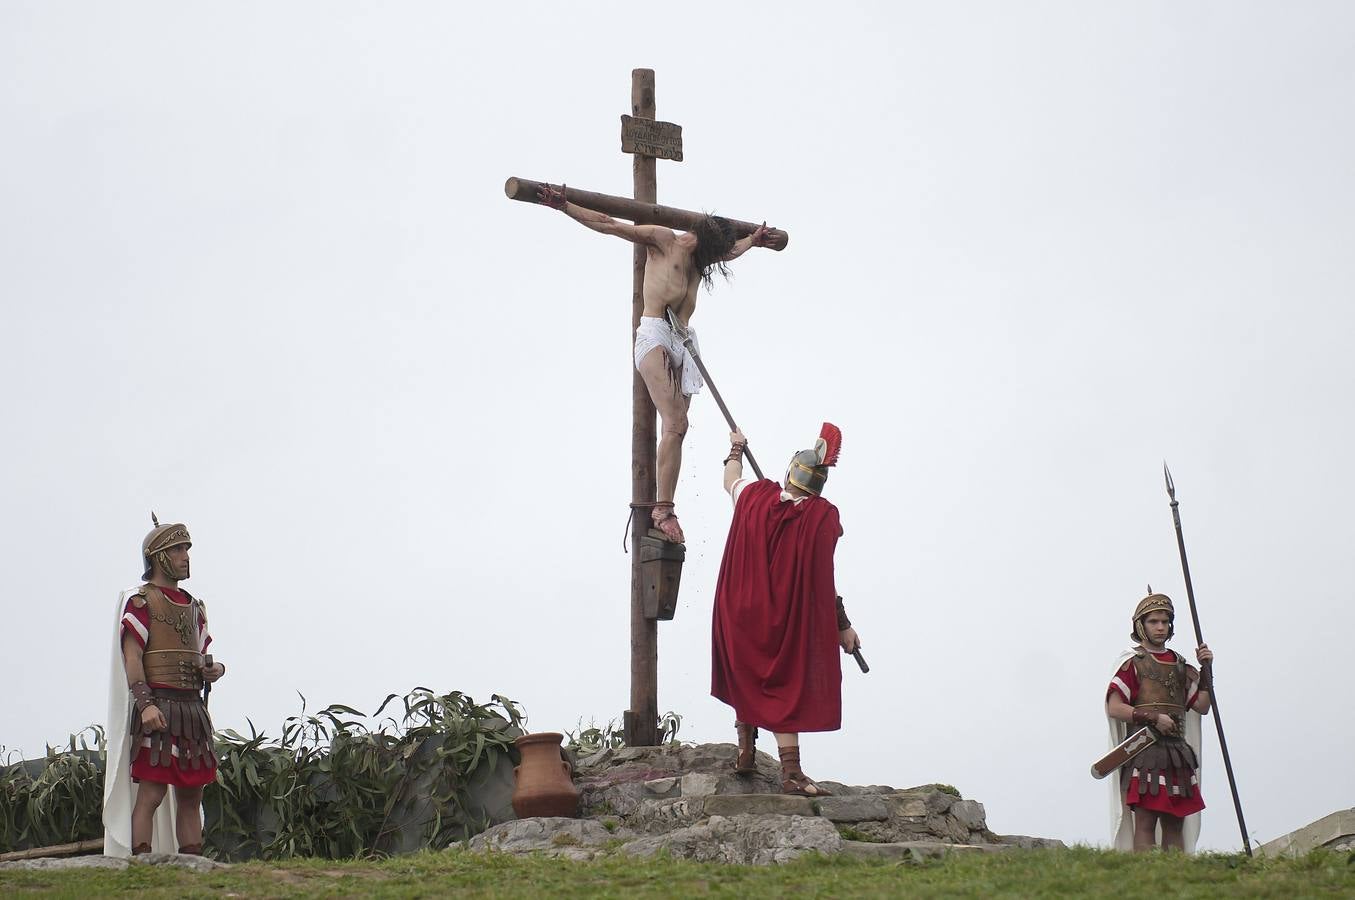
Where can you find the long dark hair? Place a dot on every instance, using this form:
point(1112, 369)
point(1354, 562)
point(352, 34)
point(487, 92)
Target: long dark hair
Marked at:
point(714, 239)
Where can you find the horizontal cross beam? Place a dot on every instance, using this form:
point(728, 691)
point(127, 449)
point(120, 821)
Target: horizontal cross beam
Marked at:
point(635, 210)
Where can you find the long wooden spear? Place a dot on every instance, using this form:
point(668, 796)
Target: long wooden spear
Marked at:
point(1207, 673)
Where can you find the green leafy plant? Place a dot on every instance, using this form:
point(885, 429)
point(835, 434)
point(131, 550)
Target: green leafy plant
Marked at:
point(584, 741)
point(331, 786)
point(62, 803)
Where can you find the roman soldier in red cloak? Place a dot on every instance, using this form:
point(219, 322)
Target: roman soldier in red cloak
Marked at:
point(159, 733)
point(778, 620)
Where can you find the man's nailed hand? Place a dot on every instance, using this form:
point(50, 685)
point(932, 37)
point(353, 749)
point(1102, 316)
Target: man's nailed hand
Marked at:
point(761, 236)
point(552, 196)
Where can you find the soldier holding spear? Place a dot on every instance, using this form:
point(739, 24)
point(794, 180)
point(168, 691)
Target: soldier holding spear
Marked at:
point(1160, 770)
point(1155, 687)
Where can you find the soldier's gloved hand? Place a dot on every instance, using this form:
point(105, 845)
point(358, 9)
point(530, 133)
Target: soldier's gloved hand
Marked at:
point(153, 720)
point(1165, 724)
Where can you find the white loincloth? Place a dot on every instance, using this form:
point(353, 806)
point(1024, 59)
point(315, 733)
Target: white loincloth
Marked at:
point(119, 789)
point(655, 332)
point(1121, 819)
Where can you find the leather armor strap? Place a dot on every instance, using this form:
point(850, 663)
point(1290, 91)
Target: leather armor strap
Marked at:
point(141, 694)
point(1144, 716)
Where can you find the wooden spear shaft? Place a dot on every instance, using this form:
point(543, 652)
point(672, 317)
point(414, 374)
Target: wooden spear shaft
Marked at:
point(1207, 673)
point(637, 210)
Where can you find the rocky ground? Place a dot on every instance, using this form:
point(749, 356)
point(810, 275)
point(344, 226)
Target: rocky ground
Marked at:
point(686, 801)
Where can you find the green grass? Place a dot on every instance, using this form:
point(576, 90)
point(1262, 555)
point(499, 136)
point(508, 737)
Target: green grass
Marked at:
point(1078, 872)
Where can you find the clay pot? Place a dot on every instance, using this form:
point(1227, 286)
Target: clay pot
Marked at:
point(543, 786)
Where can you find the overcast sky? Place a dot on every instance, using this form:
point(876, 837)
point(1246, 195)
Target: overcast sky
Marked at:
point(258, 273)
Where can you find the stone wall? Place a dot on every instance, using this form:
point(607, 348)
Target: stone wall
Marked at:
point(687, 801)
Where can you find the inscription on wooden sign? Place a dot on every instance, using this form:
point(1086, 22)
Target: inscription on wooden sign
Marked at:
point(649, 137)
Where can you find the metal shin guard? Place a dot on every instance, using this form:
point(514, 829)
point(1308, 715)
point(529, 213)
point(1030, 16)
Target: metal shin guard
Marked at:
point(746, 762)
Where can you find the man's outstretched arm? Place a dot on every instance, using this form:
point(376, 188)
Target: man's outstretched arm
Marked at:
point(759, 238)
point(648, 235)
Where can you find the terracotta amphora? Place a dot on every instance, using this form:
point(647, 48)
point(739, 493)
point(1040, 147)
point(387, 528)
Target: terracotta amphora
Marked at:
point(543, 786)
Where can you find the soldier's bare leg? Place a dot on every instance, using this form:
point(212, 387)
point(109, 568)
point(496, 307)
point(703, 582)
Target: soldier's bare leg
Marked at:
point(672, 405)
point(188, 818)
point(1173, 832)
point(1145, 830)
point(148, 797)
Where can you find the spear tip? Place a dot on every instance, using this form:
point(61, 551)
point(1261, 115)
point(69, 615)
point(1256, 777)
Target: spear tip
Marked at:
point(1171, 485)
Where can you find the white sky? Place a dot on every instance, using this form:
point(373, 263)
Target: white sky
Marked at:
point(258, 273)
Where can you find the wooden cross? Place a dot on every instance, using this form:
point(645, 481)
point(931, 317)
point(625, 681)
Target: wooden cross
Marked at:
point(648, 140)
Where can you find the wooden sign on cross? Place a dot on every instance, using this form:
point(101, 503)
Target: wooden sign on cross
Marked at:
point(648, 140)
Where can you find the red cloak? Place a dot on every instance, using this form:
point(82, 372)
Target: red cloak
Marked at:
point(774, 654)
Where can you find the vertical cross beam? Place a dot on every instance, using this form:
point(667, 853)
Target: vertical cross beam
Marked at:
point(641, 720)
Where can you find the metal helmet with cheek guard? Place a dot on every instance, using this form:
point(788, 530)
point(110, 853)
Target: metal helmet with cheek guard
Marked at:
point(1151, 604)
point(808, 469)
point(160, 539)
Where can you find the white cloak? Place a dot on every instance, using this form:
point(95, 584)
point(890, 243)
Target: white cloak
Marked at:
point(119, 789)
point(1121, 821)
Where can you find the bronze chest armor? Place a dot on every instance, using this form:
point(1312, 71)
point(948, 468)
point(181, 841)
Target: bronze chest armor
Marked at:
point(171, 656)
point(1162, 686)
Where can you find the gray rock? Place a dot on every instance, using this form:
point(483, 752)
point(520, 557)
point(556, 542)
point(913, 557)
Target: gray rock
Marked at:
point(1031, 843)
point(744, 839)
point(858, 808)
point(699, 784)
point(1331, 831)
point(179, 861)
point(74, 862)
point(945, 827)
point(661, 787)
point(657, 816)
point(970, 814)
point(758, 804)
point(545, 833)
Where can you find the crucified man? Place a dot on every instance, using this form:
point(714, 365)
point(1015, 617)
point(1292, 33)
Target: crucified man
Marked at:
point(676, 264)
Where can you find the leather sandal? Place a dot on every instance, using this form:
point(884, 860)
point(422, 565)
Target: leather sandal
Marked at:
point(746, 762)
point(794, 780)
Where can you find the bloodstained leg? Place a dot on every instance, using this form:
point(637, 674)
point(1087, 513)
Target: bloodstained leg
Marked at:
point(672, 404)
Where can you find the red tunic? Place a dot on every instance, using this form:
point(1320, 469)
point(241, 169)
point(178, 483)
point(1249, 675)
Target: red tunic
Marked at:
point(774, 653)
point(137, 620)
point(1126, 684)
